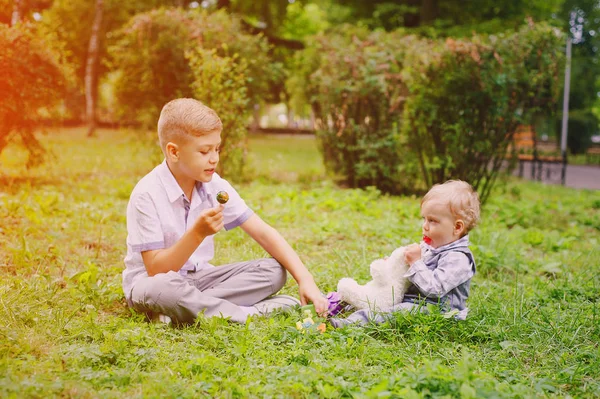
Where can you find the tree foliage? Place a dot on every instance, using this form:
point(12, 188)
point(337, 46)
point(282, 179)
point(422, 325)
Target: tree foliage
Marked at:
point(144, 56)
point(71, 23)
point(150, 64)
point(448, 17)
point(33, 81)
point(267, 14)
point(26, 9)
point(583, 24)
point(458, 18)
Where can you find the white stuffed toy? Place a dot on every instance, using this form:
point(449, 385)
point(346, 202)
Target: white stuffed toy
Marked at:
point(386, 289)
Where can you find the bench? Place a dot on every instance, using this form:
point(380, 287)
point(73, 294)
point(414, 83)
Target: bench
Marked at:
point(527, 148)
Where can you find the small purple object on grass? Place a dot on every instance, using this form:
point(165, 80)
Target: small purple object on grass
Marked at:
point(336, 305)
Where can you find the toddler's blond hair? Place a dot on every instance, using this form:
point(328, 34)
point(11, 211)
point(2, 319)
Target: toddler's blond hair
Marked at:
point(185, 117)
point(462, 200)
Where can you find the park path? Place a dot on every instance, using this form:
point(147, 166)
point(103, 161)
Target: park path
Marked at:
point(578, 176)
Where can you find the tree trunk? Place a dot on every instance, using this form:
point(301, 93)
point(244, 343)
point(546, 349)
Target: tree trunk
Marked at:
point(429, 11)
point(16, 14)
point(91, 70)
point(290, 117)
point(255, 125)
point(226, 4)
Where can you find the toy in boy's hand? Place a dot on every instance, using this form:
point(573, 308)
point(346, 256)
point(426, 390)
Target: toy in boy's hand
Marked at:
point(222, 197)
point(385, 290)
point(308, 324)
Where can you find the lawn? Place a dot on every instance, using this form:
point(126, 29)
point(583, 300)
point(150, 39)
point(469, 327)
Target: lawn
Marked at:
point(533, 329)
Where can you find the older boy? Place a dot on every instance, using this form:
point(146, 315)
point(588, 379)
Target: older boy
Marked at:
point(443, 275)
point(171, 219)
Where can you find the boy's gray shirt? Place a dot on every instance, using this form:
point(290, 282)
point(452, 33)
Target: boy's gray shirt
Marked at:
point(443, 276)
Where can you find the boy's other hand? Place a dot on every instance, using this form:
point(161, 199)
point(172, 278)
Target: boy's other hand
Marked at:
point(412, 253)
point(210, 221)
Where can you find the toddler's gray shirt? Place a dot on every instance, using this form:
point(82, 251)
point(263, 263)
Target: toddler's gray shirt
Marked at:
point(443, 276)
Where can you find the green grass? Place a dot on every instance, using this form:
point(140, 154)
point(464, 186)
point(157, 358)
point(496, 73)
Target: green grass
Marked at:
point(285, 159)
point(583, 159)
point(533, 330)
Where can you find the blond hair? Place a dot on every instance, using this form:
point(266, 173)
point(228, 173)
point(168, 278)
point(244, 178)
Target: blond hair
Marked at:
point(185, 117)
point(461, 198)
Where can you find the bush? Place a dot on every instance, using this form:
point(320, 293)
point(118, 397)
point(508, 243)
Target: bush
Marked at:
point(353, 81)
point(170, 53)
point(149, 60)
point(468, 97)
point(403, 113)
point(33, 81)
point(221, 82)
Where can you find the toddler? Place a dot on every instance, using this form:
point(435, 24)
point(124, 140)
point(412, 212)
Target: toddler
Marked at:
point(442, 276)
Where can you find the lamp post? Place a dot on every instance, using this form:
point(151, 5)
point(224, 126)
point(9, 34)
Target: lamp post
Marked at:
point(565, 115)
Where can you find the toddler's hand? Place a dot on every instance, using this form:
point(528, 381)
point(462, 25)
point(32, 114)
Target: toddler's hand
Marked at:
point(412, 253)
point(210, 221)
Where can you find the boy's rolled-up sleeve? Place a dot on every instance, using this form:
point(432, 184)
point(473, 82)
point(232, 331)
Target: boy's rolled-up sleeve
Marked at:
point(236, 211)
point(144, 231)
point(452, 270)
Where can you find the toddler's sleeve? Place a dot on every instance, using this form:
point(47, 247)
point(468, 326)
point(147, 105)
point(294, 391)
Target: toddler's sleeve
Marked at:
point(144, 231)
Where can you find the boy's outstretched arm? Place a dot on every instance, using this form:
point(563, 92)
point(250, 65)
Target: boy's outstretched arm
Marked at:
point(277, 246)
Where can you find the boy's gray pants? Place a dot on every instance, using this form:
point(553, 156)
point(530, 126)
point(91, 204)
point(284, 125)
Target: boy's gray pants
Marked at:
point(216, 291)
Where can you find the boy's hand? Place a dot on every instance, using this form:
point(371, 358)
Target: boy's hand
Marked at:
point(210, 221)
point(412, 253)
point(309, 292)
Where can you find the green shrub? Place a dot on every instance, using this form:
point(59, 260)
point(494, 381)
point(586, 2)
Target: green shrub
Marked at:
point(468, 97)
point(170, 53)
point(221, 82)
point(32, 83)
point(148, 59)
point(353, 81)
point(403, 113)
point(224, 33)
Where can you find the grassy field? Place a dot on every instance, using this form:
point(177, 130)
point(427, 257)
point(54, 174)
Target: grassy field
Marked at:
point(65, 330)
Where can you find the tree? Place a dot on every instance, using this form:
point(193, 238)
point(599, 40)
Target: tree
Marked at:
point(72, 23)
point(448, 17)
point(149, 64)
point(13, 11)
point(32, 80)
point(169, 53)
point(459, 18)
point(265, 14)
point(583, 25)
point(16, 14)
point(91, 67)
